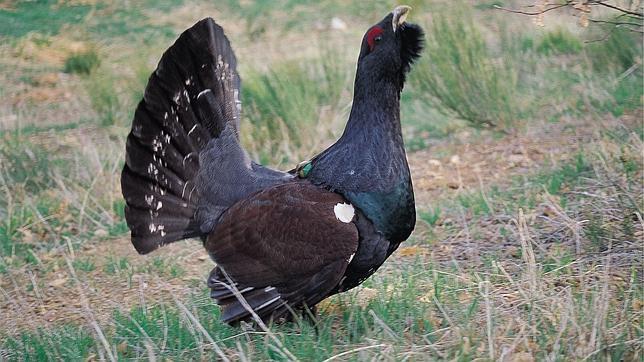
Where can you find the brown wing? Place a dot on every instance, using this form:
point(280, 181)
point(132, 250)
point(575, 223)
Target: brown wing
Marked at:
point(282, 246)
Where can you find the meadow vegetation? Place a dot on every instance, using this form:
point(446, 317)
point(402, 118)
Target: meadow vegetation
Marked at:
point(526, 154)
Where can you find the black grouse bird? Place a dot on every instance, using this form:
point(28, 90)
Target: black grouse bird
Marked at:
point(282, 240)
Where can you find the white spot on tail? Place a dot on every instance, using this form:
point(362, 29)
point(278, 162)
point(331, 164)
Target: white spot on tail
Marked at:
point(351, 257)
point(342, 281)
point(156, 144)
point(183, 163)
point(159, 205)
point(187, 81)
point(203, 92)
point(184, 189)
point(268, 303)
point(344, 212)
point(237, 101)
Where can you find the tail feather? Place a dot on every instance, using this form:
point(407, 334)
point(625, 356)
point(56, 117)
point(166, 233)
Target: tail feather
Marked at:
point(263, 301)
point(280, 302)
point(150, 168)
point(149, 136)
point(190, 98)
point(157, 199)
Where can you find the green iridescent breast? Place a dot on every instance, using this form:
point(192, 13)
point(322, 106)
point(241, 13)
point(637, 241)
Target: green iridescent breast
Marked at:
point(393, 213)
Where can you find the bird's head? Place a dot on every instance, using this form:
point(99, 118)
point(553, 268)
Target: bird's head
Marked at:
point(390, 47)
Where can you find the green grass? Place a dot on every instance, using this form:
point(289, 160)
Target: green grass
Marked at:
point(50, 194)
point(43, 16)
point(103, 94)
point(302, 14)
point(489, 4)
point(48, 17)
point(408, 320)
point(393, 317)
point(116, 265)
point(65, 343)
point(525, 190)
point(430, 216)
point(559, 41)
point(26, 164)
point(627, 95)
point(293, 105)
point(162, 267)
point(82, 62)
point(566, 177)
point(129, 22)
point(459, 75)
point(31, 129)
point(613, 49)
point(119, 227)
point(475, 202)
point(86, 265)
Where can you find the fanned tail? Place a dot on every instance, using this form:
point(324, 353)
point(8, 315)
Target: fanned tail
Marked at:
point(190, 99)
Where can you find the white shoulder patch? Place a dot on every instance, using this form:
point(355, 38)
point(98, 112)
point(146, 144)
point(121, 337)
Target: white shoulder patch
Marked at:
point(344, 212)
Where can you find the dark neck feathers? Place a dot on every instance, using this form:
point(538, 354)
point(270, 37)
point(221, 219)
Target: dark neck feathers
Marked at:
point(376, 107)
point(370, 155)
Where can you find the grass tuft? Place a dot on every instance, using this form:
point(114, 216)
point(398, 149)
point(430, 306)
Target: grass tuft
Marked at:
point(614, 49)
point(104, 97)
point(294, 107)
point(460, 76)
point(559, 41)
point(82, 63)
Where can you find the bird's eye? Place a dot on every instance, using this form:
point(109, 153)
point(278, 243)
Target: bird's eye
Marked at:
point(374, 35)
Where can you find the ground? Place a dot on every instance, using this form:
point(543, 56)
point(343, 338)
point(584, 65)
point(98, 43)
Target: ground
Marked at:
point(528, 244)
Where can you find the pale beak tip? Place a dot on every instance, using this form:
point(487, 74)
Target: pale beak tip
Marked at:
point(400, 14)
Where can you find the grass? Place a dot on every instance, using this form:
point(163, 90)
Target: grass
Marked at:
point(104, 98)
point(50, 194)
point(431, 217)
point(294, 107)
point(128, 22)
point(558, 291)
point(116, 265)
point(82, 62)
point(43, 16)
point(542, 264)
point(163, 267)
point(433, 312)
point(86, 265)
point(617, 49)
point(559, 41)
point(460, 76)
point(566, 177)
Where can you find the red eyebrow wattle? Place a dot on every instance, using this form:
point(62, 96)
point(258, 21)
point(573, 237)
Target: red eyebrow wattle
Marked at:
point(371, 36)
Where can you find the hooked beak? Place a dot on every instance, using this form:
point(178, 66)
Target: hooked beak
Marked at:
point(400, 14)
